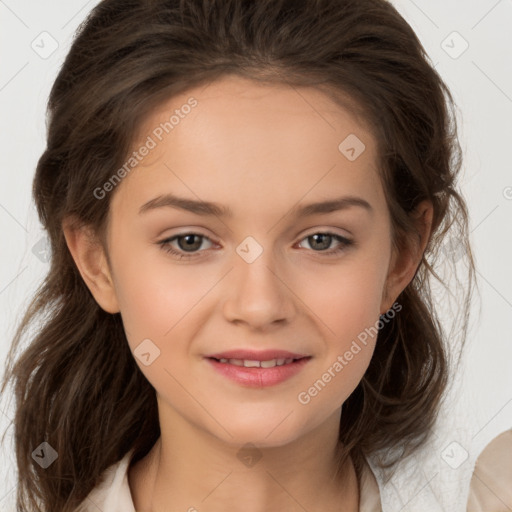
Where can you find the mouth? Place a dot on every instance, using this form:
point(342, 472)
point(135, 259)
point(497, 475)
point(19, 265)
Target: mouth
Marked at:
point(258, 359)
point(258, 369)
point(255, 363)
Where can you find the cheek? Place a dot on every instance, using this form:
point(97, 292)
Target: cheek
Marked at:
point(155, 297)
point(346, 299)
point(157, 304)
point(342, 367)
point(348, 306)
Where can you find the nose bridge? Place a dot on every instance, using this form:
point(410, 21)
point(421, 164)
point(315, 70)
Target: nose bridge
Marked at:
point(257, 293)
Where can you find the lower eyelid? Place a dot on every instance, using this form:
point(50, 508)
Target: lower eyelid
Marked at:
point(343, 244)
point(168, 241)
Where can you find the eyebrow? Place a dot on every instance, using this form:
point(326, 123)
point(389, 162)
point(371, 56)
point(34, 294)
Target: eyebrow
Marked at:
point(208, 208)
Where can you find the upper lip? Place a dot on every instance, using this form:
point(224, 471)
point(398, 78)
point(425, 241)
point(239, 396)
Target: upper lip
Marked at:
point(253, 355)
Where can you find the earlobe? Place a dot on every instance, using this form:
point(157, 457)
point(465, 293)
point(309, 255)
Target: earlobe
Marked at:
point(400, 273)
point(90, 259)
point(403, 265)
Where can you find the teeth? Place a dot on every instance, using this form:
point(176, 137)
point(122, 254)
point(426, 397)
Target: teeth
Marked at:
point(248, 363)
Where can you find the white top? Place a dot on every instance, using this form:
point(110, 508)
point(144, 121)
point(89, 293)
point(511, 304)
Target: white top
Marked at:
point(490, 488)
point(113, 493)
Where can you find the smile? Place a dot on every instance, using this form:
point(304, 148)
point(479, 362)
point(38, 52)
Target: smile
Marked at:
point(258, 369)
point(247, 363)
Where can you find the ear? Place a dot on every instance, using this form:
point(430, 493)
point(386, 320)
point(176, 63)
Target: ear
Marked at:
point(403, 266)
point(91, 261)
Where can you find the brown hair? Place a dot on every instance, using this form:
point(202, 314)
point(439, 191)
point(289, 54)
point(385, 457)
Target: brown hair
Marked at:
point(87, 398)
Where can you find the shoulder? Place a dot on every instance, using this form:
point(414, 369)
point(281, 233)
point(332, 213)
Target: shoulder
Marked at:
point(491, 483)
point(112, 494)
point(369, 494)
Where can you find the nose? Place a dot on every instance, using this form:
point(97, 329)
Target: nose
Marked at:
point(258, 294)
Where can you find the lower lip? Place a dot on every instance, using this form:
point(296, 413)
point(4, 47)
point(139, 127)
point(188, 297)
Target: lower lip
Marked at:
point(259, 377)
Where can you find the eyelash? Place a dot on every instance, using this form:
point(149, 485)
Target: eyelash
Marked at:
point(166, 244)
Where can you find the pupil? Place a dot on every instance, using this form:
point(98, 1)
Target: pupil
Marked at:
point(189, 242)
point(325, 244)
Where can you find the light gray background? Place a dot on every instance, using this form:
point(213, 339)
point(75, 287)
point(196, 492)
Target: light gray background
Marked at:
point(480, 79)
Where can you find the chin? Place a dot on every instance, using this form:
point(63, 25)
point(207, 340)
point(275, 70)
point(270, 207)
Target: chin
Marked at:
point(263, 431)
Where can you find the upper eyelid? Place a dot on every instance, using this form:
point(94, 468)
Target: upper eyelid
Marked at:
point(307, 234)
point(325, 231)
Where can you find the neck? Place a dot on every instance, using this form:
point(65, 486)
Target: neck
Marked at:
point(188, 469)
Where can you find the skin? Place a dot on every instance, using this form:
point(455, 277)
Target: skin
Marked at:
point(259, 149)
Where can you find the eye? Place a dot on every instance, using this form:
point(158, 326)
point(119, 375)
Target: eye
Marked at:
point(190, 243)
point(322, 240)
point(187, 243)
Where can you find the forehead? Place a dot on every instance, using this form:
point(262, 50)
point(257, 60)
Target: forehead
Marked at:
point(269, 107)
point(236, 140)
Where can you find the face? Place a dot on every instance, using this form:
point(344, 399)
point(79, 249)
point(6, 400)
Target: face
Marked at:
point(257, 281)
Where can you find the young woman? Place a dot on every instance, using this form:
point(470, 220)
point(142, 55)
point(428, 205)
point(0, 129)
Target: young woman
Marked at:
point(245, 202)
